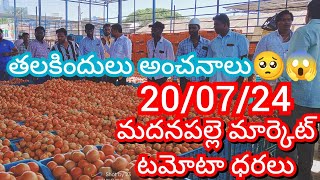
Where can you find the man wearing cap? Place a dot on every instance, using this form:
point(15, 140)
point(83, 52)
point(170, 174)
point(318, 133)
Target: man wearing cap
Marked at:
point(227, 44)
point(195, 43)
point(159, 47)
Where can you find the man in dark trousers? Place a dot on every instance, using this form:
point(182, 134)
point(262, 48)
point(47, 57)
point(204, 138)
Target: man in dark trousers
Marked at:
point(306, 94)
point(159, 47)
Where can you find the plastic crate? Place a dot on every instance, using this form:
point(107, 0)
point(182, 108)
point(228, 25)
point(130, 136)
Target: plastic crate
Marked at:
point(258, 78)
point(135, 84)
point(46, 161)
point(23, 84)
point(13, 144)
point(21, 123)
point(43, 169)
point(264, 145)
point(51, 132)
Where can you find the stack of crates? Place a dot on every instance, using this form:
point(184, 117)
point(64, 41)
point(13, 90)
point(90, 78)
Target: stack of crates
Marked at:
point(139, 47)
point(252, 48)
point(176, 38)
point(209, 34)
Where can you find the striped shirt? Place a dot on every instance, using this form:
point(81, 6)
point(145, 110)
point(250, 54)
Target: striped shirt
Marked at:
point(186, 46)
point(22, 48)
point(69, 53)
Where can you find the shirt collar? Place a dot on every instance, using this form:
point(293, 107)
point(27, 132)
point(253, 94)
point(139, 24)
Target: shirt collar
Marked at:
point(314, 21)
point(228, 34)
point(201, 39)
point(277, 31)
point(62, 44)
point(278, 34)
point(94, 38)
point(160, 41)
point(122, 36)
point(42, 42)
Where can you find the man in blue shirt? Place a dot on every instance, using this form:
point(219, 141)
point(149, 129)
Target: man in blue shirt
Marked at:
point(91, 44)
point(227, 44)
point(7, 50)
point(194, 43)
point(279, 40)
point(306, 94)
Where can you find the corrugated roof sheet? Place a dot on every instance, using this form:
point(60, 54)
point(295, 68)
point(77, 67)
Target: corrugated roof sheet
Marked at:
point(270, 5)
point(238, 22)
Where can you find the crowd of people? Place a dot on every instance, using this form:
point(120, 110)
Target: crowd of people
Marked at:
point(115, 44)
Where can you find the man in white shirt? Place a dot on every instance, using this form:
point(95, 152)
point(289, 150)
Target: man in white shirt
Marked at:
point(121, 48)
point(159, 47)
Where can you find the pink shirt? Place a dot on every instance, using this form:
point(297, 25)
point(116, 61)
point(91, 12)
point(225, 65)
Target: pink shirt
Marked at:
point(39, 49)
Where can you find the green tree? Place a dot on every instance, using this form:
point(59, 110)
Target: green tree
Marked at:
point(144, 16)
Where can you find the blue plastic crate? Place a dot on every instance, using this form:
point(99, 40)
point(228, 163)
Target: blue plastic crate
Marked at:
point(51, 132)
point(264, 145)
point(45, 171)
point(13, 144)
point(258, 78)
point(24, 84)
point(21, 123)
point(46, 161)
point(136, 85)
